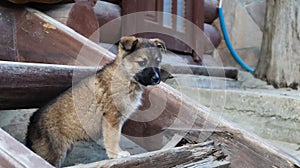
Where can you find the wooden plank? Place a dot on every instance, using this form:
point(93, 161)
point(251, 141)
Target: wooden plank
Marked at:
point(227, 72)
point(164, 158)
point(15, 154)
point(247, 150)
point(30, 85)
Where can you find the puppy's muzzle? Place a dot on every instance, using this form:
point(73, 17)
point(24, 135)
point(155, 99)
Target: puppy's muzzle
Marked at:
point(148, 76)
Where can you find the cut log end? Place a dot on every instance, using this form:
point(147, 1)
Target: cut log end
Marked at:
point(83, 20)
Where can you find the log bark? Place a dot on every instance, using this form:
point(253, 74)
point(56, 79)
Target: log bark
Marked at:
point(181, 156)
point(210, 10)
point(213, 37)
point(244, 148)
point(79, 16)
point(106, 12)
point(225, 72)
point(33, 36)
point(30, 85)
point(279, 61)
point(15, 154)
point(42, 39)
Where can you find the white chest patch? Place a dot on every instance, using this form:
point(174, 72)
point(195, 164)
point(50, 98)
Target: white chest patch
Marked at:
point(132, 107)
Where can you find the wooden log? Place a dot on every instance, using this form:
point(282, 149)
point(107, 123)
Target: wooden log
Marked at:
point(227, 72)
point(42, 39)
point(30, 85)
point(164, 158)
point(15, 154)
point(213, 36)
point(247, 150)
point(210, 10)
point(106, 12)
point(33, 36)
point(244, 149)
point(278, 62)
point(79, 16)
point(254, 151)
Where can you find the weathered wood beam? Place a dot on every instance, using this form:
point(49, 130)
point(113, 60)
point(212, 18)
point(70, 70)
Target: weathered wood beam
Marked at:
point(226, 72)
point(164, 158)
point(79, 16)
point(244, 148)
point(15, 154)
point(42, 39)
point(30, 85)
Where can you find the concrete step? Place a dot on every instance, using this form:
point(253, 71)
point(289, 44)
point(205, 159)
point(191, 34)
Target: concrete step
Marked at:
point(291, 148)
point(270, 113)
point(196, 81)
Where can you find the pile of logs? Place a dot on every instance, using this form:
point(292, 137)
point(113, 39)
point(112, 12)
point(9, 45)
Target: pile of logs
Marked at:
point(26, 32)
point(86, 16)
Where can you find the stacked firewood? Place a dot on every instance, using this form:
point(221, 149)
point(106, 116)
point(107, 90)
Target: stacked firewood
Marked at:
point(79, 15)
point(210, 14)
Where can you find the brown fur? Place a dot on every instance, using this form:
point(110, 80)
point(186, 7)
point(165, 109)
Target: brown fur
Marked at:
point(99, 102)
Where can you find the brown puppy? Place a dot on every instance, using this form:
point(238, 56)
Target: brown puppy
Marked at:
point(98, 104)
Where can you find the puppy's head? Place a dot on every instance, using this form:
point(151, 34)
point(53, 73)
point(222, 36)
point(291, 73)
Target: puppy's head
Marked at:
point(141, 58)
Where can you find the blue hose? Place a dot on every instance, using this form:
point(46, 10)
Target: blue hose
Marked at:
point(228, 43)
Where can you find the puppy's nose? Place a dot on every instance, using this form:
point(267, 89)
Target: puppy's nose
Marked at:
point(155, 79)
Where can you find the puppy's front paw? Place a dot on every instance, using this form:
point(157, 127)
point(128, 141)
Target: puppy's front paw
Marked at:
point(123, 154)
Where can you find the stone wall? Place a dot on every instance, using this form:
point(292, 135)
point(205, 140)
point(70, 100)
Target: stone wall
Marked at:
point(244, 22)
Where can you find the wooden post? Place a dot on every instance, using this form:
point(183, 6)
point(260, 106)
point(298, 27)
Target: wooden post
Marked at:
point(279, 61)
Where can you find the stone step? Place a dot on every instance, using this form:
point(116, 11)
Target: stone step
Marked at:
point(271, 114)
point(198, 81)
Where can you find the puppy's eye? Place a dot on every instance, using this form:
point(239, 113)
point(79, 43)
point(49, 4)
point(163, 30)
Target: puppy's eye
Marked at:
point(142, 63)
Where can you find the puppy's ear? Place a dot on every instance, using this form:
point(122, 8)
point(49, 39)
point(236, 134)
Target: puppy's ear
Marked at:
point(128, 43)
point(159, 43)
